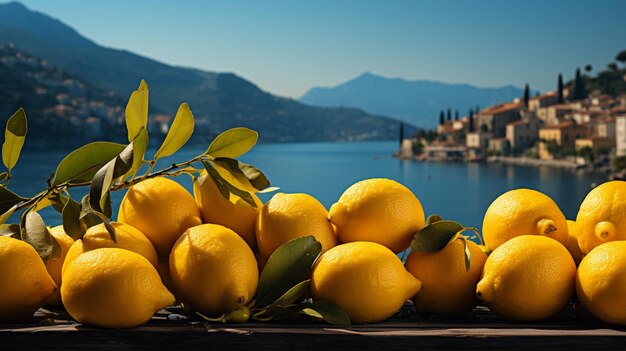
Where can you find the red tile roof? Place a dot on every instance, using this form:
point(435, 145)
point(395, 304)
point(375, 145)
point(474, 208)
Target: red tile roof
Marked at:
point(501, 108)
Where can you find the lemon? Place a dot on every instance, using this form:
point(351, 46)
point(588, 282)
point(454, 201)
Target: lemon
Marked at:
point(55, 264)
point(97, 237)
point(113, 288)
point(234, 213)
point(24, 282)
point(365, 279)
point(602, 215)
point(528, 278)
point(600, 283)
point(161, 209)
point(289, 216)
point(447, 287)
point(523, 212)
point(213, 269)
point(572, 242)
point(378, 210)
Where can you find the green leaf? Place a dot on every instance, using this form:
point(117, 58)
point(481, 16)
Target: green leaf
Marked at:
point(99, 198)
point(35, 233)
point(289, 265)
point(218, 180)
point(14, 136)
point(3, 175)
point(8, 199)
point(137, 111)
point(250, 177)
point(83, 163)
point(468, 255)
point(87, 215)
point(228, 169)
point(5, 216)
point(327, 311)
point(180, 131)
point(233, 143)
point(292, 295)
point(12, 230)
point(58, 201)
point(71, 220)
point(432, 219)
point(140, 145)
point(435, 236)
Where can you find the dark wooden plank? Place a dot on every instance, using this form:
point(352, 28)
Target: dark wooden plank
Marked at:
point(480, 329)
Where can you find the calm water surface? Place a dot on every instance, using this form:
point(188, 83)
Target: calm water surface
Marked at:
point(456, 191)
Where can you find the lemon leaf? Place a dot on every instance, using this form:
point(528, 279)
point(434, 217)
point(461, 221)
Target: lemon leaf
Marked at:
point(289, 265)
point(328, 311)
point(8, 199)
point(233, 143)
point(83, 163)
point(5, 216)
point(14, 136)
point(34, 232)
point(71, 220)
point(99, 199)
point(137, 111)
point(292, 295)
point(436, 236)
point(180, 131)
point(229, 170)
point(140, 145)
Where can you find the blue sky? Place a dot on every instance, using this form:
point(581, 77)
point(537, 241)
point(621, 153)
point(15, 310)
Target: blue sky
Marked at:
point(287, 47)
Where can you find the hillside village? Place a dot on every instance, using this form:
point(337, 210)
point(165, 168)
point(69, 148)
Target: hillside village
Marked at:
point(566, 128)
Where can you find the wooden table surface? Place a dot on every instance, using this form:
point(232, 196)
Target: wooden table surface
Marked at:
point(572, 328)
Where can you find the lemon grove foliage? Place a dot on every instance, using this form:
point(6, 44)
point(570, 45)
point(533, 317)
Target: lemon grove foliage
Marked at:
point(103, 167)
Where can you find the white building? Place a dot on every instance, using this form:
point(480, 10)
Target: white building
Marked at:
point(478, 140)
point(620, 135)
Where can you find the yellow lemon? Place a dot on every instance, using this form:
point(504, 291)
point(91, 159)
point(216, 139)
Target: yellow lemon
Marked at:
point(378, 210)
point(213, 269)
point(289, 216)
point(161, 209)
point(97, 237)
point(365, 279)
point(572, 242)
point(234, 213)
point(24, 281)
point(523, 212)
point(600, 283)
point(113, 288)
point(447, 287)
point(602, 215)
point(528, 278)
point(55, 265)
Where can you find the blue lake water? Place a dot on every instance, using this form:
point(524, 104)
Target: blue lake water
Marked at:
point(455, 191)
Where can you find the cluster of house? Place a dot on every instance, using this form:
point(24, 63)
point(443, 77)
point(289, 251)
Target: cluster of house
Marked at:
point(63, 98)
point(544, 128)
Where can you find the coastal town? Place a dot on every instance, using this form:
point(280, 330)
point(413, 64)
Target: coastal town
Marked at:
point(567, 128)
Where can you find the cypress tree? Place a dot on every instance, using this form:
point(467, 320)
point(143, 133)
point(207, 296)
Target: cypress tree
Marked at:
point(477, 110)
point(470, 122)
point(526, 94)
point(579, 87)
point(560, 89)
point(456, 115)
point(449, 115)
point(441, 118)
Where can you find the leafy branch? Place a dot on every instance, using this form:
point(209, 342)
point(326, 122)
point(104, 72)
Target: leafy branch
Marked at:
point(104, 167)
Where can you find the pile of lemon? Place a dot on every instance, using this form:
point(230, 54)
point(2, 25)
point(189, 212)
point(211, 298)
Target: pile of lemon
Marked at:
point(206, 252)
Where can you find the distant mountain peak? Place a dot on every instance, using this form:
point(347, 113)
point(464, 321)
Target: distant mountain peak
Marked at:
point(415, 101)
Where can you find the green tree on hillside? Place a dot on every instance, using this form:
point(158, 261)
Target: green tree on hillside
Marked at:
point(580, 92)
point(621, 57)
point(559, 89)
point(526, 94)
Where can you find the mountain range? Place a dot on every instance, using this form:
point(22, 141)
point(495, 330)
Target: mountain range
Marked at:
point(218, 100)
point(417, 102)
